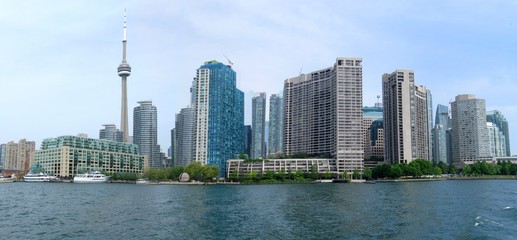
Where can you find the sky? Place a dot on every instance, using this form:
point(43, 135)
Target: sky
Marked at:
point(59, 59)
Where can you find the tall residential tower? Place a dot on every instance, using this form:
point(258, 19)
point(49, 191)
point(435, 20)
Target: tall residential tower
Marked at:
point(323, 114)
point(124, 70)
point(145, 132)
point(258, 126)
point(406, 118)
point(276, 113)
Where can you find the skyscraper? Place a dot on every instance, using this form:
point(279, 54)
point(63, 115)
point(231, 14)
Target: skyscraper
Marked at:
point(247, 140)
point(185, 131)
point(18, 155)
point(124, 70)
point(496, 140)
point(258, 126)
point(322, 115)
point(372, 133)
point(276, 110)
point(145, 132)
point(499, 120)
point(469, 131)
point(442, 121)
point(406, 120)
point(110, 132)
point(219, 115)
point(2, 154)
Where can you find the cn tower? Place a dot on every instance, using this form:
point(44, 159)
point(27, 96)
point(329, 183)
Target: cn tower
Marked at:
point(124, 70)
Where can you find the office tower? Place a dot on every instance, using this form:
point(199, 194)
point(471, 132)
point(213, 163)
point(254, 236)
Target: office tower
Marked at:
point(258, 126)
point(276, 106)
point(322, 114)
point(18, 155)
point(469, 131)
point(374, 150)
point(110, 132)
point(145, 132)
point(406, 120)
point(372, 132)
point(185, 131)
point(442, 121)
point(496, 140)
point(219, 115)
point(66, 155)
point(247, 140)
point(499, 120)
point(2, 155)
point(173, 145)
point(124, 70)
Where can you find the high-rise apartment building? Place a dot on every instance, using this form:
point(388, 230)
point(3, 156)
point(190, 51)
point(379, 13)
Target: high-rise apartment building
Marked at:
point(145, 132)
point(496, 140)
point(258, 126)
point(276, 113)
point(442, 121)
point(19, 155)
point(406, 120)
point(469, 131)
point(219, 115)
point(322, 114)
point(110, 132)
point(499, 120)
point(185, 131)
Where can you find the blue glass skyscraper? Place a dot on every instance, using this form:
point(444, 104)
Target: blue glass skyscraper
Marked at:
point(219, 115)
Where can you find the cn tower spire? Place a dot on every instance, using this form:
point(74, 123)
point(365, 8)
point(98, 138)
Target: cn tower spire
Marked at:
point(124, 70)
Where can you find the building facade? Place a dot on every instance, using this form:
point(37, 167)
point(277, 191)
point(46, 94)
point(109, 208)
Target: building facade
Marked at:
point(496, 140)
point(240, 168)
point(145, 132)
point(185, 137)
point(258, 126)
point(275, 130)
point(19, 155)
point(219, 115)
point(247, 140)
point(406, 120)
point(499, 120)
point(323, 114)
point(469, 132)
point(110, 132)
point(370, 115)
point(2, 154)
point(66, 156)
point(442, 124)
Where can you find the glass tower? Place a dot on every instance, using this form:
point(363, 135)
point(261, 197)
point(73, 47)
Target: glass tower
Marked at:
point(258, 126)
point(276, 107)
point(219, 115)
point(499, 120)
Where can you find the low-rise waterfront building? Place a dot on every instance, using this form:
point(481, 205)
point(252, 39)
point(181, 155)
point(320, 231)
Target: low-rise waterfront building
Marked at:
point(239, 167)
point(65, 156)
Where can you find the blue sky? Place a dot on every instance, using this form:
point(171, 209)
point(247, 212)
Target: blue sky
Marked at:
point(59, 59)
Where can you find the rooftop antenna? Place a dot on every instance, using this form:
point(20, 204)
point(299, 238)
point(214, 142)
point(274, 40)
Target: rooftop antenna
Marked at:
point(301, 70)
point(229, 62)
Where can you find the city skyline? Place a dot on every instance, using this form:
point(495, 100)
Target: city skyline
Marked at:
point(60, 58)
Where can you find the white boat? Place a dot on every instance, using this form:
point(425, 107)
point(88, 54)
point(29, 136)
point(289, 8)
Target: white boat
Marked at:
point(142, 181)
point(91, 177)
point(38, 177)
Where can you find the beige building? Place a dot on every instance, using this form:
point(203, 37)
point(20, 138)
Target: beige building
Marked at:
point(323, 114)
point(406, 118)
point(19, 155)
point(65, 156)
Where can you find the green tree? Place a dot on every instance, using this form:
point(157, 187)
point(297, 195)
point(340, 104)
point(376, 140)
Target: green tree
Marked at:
point(195, 171)
point(356, 174)
point(395, 171)
point(367, 174)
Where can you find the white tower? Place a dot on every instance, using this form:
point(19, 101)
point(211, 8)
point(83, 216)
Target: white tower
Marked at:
point(124, 70)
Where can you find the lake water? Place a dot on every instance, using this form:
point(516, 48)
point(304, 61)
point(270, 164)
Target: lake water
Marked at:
point(485, 209)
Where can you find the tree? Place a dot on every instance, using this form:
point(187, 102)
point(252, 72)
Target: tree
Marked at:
point(395, 171)
point(356, 174)
point(195, 171)
point(367, 174)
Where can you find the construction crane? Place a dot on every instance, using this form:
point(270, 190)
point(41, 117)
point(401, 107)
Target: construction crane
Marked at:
point(229, 62)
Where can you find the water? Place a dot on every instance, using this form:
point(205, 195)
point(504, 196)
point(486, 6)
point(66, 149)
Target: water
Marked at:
point(416, 210)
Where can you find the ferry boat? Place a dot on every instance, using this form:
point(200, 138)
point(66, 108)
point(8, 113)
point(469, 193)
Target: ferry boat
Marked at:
point(91, 177)
point(38, 177)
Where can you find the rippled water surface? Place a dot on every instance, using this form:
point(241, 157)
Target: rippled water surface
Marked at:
point(415, 210)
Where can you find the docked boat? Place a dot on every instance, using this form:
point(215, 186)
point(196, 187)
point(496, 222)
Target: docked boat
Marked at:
point(142, 181)
point(91, 177)
point(38, 177)
point(6, 180)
